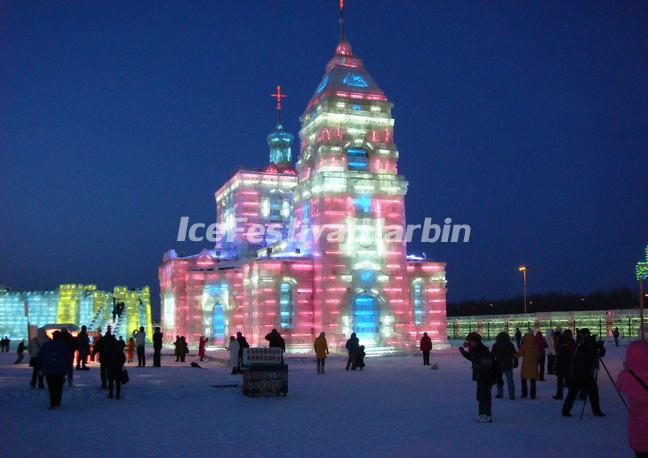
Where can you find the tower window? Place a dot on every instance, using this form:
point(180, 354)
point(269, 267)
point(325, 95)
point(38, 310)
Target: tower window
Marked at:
point(417, 300)
point(285, 305)
point(352, 79)
point(357, 159)
point(362, 205)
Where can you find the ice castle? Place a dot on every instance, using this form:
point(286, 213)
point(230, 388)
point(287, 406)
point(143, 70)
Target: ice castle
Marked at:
point(346, 177)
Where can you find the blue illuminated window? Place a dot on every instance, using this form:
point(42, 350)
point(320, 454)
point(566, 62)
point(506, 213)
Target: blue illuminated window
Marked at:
point(351, 79)
point(362, 205)
point(218, 322)
point(417, 301)
point(306, 212)
point(323, 84)
point(365, 316)
point(357, 159)
point(285, 305)
point(367, 276)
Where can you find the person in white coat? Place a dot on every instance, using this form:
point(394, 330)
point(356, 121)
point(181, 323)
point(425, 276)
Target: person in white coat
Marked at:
point(140, 342)
point(233, 354)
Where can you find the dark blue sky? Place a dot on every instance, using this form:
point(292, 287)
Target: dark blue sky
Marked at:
point(525, 120)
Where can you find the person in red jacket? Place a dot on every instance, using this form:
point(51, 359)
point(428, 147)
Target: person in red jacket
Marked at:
point(426, 346)
point(201, 347)
point(633, 383)
point(541, 343)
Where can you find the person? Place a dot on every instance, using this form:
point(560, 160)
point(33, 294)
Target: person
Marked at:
point(321, 350)
point(55, 360)
point(20, 352)
point(184, 348)
point(33, 348)
point(426, 347)
point(157, 347)
point(530, 354)
point(549, 339)
point(176, 351)
point(276, 341)
point(358, 362)
point(503, 352)
point(98, 348)
point(615, 334)
point(243, 344)
point(130, 349)
point(140, 342)
point(583, 376)
point(562, 364)
point(233, 354)
point(201, 347)
point(518, 337)
point(483, 372)
point(83, 343)
point(113, 358)
point(541, 343)
point(121, 344)
point(632, 381)
point(352, 346)
point(2, 344)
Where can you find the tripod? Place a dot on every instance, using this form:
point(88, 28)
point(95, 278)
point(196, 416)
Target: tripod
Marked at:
point(613, 384)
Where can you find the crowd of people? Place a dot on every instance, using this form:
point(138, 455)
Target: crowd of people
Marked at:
point(574, 362)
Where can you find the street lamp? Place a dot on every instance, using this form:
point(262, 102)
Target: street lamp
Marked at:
point(642, 274)
point(523, 269)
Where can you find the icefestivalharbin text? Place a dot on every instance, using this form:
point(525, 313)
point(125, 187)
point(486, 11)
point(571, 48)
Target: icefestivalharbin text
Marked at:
point(359, 228)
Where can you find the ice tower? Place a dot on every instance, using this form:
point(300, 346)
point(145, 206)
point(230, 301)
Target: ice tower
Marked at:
point(346, 269)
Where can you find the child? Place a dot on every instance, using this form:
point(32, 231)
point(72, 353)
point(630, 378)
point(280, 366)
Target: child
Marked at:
point(359, 359)
point(130, 349)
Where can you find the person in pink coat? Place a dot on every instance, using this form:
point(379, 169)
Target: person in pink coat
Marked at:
point(633, 383)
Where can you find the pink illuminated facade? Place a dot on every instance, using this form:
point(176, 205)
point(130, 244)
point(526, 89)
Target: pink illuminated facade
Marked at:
point(302, 279)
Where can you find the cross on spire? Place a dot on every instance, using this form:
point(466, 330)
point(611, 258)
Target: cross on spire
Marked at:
point(278, 95)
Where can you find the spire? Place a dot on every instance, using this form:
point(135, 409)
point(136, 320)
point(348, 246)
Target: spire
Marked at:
point(278, 95)
point(341, 20)
point(343, 47)
point(280, 141)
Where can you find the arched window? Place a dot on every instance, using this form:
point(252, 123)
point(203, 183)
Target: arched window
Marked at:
point(417, 300)
point(218, 322)
point(276, 204)
point(365, 316)
point(286, 305)
point(357, 159)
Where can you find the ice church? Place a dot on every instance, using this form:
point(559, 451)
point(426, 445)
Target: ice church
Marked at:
point(346, 176)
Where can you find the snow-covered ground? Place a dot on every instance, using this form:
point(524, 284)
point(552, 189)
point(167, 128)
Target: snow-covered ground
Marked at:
point(395, 407)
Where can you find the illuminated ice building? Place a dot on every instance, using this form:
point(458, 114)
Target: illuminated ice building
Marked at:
point(345, 178)
point(75, 304)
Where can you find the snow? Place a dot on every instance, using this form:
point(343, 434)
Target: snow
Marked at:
point(395, 407)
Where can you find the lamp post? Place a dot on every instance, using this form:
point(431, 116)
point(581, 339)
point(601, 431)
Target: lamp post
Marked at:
point(523, 269)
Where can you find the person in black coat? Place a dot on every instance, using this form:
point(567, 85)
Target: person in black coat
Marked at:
point(503, 352)
point(157, 347)
point(518, 337)
point(583, 373)
point(55, 358)
point(83, 343)
point(352, 346)
point(358, 362)
point(113, 358)
point(562, 365)
point(243, 343)
point(99, 346)
point(20, 352)
point(275, 340)
point(484, 373)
